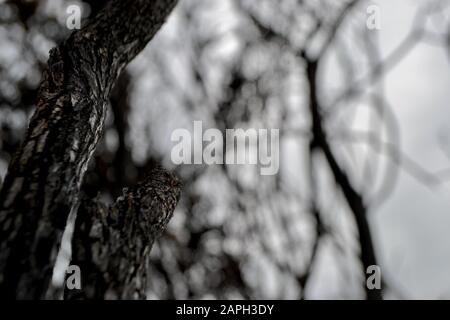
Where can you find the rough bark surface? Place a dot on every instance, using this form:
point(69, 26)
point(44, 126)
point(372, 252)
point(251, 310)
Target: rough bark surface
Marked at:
point(43, 179)
point(111, 245)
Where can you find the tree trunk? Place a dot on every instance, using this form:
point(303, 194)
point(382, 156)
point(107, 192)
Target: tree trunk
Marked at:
point(43, 179)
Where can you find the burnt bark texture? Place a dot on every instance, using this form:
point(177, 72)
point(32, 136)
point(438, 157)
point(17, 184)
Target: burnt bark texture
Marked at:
point(43, 180)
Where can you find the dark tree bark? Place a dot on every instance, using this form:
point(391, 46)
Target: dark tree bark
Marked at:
point(112, 245)
point(43, 179)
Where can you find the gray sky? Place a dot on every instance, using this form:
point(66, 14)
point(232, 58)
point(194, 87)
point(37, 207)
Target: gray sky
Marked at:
point(412, 227)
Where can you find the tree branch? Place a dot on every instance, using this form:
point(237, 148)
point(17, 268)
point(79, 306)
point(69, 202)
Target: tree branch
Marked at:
point(112, 245)
point(351, 195)
point(43, 179)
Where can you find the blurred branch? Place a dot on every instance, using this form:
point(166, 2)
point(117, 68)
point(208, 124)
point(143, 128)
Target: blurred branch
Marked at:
point(334, 27)
point(383, 66)
point(319, 229)
point(353, 198)
point(397, 156)
point(320, 143)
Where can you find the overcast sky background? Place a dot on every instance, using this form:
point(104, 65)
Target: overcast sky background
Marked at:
point(412, 226)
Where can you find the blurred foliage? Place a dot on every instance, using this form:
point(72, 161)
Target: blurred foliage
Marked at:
point(232, 64)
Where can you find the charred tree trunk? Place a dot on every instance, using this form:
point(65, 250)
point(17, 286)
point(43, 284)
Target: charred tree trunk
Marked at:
point(43, 179)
